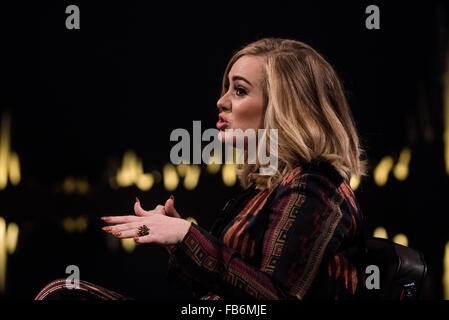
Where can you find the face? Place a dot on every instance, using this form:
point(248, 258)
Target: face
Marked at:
point(243, 105)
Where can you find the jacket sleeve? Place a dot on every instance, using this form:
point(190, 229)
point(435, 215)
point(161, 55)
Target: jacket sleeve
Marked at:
point(306, 227)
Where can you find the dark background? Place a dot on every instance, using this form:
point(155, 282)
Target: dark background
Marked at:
point(78, 99)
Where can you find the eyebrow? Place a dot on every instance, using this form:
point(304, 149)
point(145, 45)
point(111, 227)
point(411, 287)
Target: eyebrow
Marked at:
point(234, 78)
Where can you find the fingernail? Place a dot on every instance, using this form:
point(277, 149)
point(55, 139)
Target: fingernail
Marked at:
point(137, 199)
point(107, 229)
point(104, 218)
point(171, 197)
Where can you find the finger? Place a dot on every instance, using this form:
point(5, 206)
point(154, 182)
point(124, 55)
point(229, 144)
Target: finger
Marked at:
point(123, 227)
point(131, 233)
point(138, 209)
point(145, 239)
point(160, 209)
point(170, 208)
point(119, 219)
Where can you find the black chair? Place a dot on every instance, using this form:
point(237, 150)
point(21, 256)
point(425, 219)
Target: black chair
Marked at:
point(402, 270)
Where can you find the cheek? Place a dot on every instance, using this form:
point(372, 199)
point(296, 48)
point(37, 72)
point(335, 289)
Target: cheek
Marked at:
point(247, 114)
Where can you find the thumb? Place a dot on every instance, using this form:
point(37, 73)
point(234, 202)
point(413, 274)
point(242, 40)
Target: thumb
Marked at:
point(170, 208)
point(138, 209)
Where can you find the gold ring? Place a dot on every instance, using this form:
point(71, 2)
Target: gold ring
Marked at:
point(143, 231)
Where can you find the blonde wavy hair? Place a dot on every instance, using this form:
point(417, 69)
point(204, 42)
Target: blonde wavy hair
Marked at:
point(307, 104)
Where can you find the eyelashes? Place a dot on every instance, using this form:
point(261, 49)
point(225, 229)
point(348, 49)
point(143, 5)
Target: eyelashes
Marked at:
point(239, 91)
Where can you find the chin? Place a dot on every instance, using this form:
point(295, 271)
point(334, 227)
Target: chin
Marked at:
point(227, 139)
point(224, 137)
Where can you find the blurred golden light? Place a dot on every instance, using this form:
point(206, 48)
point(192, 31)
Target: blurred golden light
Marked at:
point(123, 179)
point(79, 224)
point(69, 185)
point(12, 235)
point(4, 150)
point(354, 182)
point(8, 243)
point(82, 185)
point(182, 169)
point(192, 177)
point(192, 219)
point(68, 224)
point(213, 164)
point(401, 239)
point(382, 171)
point(446, 272)
point(131, 172)
point(14, 168)
point(9, 160)
point(401, 168)
point(380, 232)
point(128, 244)
point(213, 168)
point(170, 176)
point(145, 181)
point(3, 254)
point(228, 175)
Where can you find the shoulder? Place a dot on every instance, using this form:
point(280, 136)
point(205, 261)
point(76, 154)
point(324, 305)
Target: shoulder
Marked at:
point(321, 175)
point(320, 180)
point(316, 195)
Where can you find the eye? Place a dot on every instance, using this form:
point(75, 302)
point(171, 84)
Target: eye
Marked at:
point(240, 91)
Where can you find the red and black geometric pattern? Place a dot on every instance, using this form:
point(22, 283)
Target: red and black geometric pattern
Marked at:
point(288, 243)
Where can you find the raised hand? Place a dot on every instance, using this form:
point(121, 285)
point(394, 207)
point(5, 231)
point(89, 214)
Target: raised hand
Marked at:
point(164, 223)
point(168, 209)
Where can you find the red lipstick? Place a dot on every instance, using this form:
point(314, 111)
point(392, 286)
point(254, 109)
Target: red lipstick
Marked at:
point(222, 123)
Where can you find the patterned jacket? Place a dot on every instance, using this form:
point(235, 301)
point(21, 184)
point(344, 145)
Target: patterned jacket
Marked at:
point(301, 240)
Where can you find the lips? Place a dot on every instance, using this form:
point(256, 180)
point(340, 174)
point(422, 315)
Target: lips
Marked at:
point(222, 123)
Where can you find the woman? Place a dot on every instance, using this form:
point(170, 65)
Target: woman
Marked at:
point(294, 234)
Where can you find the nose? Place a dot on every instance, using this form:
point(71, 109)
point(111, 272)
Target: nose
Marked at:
point(224, 104)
